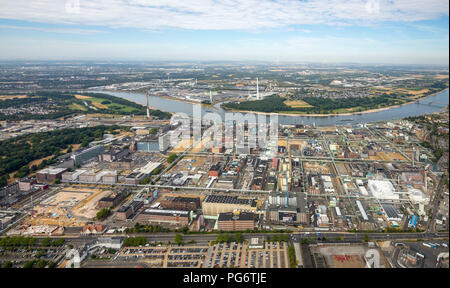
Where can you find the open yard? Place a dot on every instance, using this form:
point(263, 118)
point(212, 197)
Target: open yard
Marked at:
point(297, 103)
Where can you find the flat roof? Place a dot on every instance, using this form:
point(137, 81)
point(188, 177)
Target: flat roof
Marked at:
point(149, 167)
point(229, 200)
point(241, 216)
point(166, 212)
point(52, 170)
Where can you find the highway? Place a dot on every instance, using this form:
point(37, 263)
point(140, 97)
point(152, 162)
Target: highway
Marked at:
point(295, 237)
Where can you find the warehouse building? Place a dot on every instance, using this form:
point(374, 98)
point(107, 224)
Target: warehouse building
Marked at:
point(213, 205)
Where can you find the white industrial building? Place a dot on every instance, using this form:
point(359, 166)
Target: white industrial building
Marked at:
point(164, 141)
point(382, 189)
point(280, 200)
point(417, 196)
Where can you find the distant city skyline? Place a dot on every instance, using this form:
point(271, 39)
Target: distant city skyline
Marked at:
point(373, 31)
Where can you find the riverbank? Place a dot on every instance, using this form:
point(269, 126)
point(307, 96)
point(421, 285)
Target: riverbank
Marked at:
point(165, 97)
point(298, 113)
point(407, 110)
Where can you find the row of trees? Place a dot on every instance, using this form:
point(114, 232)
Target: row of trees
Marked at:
point(21, 241)
point(16, 153)
point(139, 228)
point(227, 238)
point(135, 241)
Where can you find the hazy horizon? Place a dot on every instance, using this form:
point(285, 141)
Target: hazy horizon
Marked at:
point(281, 31)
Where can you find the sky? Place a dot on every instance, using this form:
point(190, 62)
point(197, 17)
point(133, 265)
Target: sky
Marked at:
point(300, 31)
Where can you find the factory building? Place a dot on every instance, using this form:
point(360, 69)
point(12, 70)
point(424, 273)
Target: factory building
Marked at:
point(124, 163)
point(127, 212)
point(287, 216)
point(134, 178)
point(215, 170)
point(382, 189)
point(110, 201)
point(236, 221)
point(26, 184)
point(164, 142)
point(113, 155)
point(213, 205)
point(392, 213)
point(72, 176)
point(139, 174)
point(79, 157)
point(49, 175)
point(180, 203)
point(9, 189)
point(417, 196)
point(164, 217)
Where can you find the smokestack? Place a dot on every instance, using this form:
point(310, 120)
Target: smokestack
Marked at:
point(148, 107)
point(287, 189)
point(257, 88)
point(210, 97)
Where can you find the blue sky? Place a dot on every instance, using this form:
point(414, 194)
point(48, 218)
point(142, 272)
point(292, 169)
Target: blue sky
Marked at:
point(369, 31)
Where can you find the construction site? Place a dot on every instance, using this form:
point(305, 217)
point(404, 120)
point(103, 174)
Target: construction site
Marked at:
point(70, 207)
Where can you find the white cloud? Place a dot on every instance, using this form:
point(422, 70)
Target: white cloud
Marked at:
point(219, 14)
point(54, 30)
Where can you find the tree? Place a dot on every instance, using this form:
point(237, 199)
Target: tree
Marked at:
point(292, 260)
point(102, 214)
point(46, 242)
point(41, 263)
point(146, 180)
point(29, 264)
point(58, 242)
point(153, 131)
point(366, 238)
point(8, 264)
point(171, 158)
point(238, 238)
point(178, 239)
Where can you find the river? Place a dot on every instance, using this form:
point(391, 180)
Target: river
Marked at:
point(428, 105)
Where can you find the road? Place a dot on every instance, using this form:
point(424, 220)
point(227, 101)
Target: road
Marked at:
point(359, 237)
point(295, 237)
point(435, 205)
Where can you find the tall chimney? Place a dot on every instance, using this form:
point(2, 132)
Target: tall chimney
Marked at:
point(148, 107)
point(257, 88)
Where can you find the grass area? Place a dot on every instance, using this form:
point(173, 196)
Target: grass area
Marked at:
point(4, 97)
point(102, 103)
point(77, 107)
point(296, 103)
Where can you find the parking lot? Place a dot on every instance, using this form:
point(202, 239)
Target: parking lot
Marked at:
point(272, 255)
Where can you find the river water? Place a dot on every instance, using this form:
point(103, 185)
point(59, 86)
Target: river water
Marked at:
point(431, 104)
